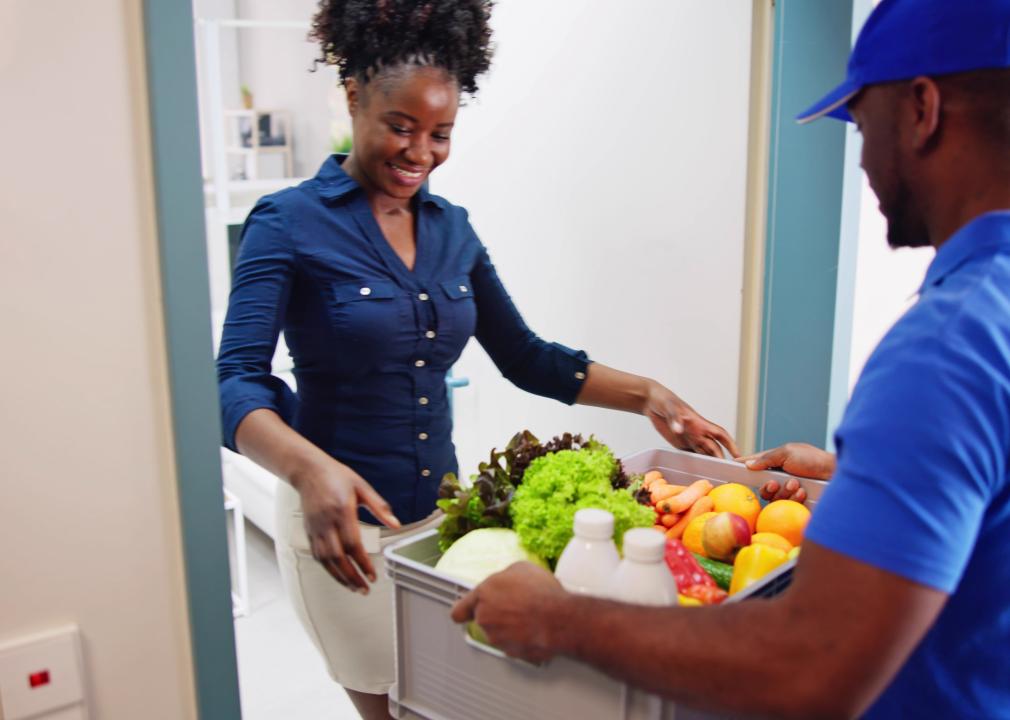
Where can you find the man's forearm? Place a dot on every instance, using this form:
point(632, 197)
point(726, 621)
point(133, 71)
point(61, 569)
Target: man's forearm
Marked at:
point(694, 654)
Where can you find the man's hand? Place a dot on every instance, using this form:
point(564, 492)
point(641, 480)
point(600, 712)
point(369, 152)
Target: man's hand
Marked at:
point(683, 427)
point(514, 609)
point(796, 459)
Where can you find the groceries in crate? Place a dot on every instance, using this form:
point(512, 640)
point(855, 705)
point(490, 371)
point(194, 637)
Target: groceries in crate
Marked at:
point(535, 489)
point(718, 525)
point(718, 540)
point(588, 562)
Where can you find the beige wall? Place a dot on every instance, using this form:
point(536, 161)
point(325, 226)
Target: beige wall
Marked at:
point(89, 527)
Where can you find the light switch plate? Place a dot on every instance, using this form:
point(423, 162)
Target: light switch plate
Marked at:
point(58, 653)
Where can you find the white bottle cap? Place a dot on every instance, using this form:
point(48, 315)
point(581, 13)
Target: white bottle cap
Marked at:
point(594, 524)
point(644, 545)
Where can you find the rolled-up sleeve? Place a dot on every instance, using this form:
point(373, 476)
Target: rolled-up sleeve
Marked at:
point(542, 368)
point(261, 286)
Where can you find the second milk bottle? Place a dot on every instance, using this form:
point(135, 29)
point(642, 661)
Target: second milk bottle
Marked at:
point(642, 576)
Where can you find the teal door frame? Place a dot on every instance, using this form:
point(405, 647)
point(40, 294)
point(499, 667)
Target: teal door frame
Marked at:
point(809, 278)
point(175, 137)
point(812, 233)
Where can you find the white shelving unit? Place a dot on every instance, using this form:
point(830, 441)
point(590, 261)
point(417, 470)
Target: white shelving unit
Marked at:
point(243, 122)
point(249, 489)
point(221, 190)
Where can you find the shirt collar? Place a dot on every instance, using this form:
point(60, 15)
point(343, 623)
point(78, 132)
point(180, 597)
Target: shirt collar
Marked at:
point(985, 235)
point(334, 183)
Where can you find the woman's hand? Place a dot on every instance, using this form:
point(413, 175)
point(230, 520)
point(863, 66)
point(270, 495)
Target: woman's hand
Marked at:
point(796, 459)
point(683, 427)
point(331, 494)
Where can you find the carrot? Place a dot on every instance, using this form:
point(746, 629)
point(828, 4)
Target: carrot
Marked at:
point(683, 500)
point(665, 491)
point(669, 520)
point(703, 504)
point(661, 528)
point(651, 477)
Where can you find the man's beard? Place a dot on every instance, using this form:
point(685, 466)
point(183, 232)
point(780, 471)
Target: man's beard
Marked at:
point(904, 229)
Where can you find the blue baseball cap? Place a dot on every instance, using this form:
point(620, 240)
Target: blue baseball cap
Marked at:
point(905, 39)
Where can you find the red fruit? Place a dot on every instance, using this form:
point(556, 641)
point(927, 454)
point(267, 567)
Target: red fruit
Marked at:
point(723, 535)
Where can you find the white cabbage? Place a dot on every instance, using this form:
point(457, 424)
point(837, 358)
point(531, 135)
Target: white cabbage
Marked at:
point(483, 552)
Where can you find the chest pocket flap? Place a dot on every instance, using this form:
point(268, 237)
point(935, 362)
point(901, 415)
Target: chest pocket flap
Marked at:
point(458, 288)
point(357, 290)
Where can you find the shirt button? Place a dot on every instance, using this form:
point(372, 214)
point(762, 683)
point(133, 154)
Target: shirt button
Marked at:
point(462, 288)
point(580, 375)
point(365, 291)
point(422, 436)
point(422, 297)
point(419, 363)
point(425, 473)
point(423, 400)
point(430, 334)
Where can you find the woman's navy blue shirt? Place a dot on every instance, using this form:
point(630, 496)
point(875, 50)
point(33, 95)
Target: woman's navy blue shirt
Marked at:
point(370, 339)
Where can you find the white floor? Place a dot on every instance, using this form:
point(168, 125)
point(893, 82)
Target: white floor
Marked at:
point(280, 673)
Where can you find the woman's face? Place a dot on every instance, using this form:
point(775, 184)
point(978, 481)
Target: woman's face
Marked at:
point(402, 124)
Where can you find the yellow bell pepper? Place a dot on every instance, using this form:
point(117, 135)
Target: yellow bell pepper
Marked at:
point(753, 563)
point(688, 601)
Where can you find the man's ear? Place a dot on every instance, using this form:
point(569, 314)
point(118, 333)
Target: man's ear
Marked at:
point(353, 92)
point(926, 102)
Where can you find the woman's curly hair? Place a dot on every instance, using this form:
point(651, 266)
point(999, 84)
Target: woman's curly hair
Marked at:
point(361, 37)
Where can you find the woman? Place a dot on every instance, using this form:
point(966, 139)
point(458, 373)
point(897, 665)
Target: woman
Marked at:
point(378, 285)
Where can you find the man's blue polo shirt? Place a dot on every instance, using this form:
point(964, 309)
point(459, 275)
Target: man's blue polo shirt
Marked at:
point(922, 487)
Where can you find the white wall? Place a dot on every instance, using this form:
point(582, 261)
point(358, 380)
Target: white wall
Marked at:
point(886, 283)
point(604, 165)
point(89, 528)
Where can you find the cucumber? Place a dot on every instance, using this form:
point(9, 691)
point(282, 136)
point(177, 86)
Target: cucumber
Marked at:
point(720, 571)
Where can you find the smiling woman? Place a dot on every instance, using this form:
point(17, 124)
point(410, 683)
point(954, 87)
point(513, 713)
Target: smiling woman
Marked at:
point(378, 285)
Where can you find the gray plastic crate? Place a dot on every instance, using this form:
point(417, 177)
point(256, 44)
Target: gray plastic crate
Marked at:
point(442, 674)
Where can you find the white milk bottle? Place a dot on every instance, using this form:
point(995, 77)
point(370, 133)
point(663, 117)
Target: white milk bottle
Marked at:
point(642, 577)
point(590, 558)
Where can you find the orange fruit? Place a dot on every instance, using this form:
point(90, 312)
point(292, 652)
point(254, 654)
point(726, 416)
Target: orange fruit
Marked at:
point(773, 539)
point(787, 518)
point(692, 534)
point(739, 499)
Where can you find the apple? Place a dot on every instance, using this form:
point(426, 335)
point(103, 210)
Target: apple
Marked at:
point(723, 535)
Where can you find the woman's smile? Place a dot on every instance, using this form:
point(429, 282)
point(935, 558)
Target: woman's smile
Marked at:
point(403, 174)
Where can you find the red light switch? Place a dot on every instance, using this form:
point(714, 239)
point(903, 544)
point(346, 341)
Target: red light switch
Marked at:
point(38, 679)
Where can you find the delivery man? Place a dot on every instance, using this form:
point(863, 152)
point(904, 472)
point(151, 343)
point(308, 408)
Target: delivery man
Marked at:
point(900, 606)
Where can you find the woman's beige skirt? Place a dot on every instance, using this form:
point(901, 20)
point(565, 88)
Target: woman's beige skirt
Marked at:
point(353, 632)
